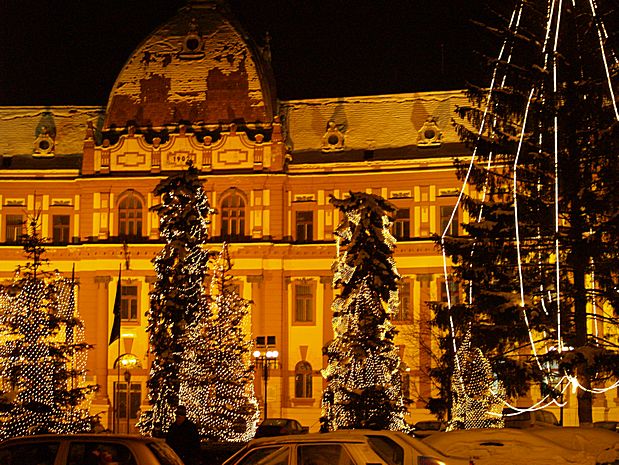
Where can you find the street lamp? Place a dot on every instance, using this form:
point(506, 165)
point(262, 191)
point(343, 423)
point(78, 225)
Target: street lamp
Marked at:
point(127, 362)
point(266, 360)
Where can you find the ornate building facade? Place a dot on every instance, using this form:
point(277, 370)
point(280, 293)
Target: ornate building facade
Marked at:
point(198, 89)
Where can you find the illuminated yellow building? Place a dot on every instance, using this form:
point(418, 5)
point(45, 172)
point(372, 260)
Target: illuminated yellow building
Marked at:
point(197, 89)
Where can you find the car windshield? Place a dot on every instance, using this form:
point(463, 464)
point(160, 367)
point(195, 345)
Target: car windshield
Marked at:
point(274, 422)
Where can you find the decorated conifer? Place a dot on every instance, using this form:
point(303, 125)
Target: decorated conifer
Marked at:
point(178, 293)
point(217, 375)
point(363, 372)
point(42, 350)
point(538, 265)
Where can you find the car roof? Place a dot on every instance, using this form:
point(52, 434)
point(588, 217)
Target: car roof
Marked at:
point(346, 435)
point(100, 437)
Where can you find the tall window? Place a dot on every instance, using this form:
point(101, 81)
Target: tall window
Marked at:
point(129, 303)
point(454, 291)
point(233, 216)
point(446, 211)
point(60, 229)
point(402, 224)
point(405, 309)
point(14, 228)
point(303, 380)
point(305, 226)
point(130, 217)
point(304, 300)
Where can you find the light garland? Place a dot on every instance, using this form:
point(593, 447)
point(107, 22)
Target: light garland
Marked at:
point(550, 52)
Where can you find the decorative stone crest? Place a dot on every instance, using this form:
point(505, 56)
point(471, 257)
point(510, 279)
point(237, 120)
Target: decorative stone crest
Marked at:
point(333, 140)
point(44, 144)
point(430, 134)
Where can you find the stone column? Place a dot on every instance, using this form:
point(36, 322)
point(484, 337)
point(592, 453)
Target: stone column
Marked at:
point(102, 399)
point(425, 339)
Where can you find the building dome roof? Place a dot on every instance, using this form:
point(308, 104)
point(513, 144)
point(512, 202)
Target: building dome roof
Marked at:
point(200, 67)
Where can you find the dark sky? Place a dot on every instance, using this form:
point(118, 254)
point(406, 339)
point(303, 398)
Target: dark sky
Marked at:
point(68, 52)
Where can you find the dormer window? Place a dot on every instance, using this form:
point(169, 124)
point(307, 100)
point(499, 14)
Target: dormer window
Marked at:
point(430, 134)
point(44, 143)
point(333, 140)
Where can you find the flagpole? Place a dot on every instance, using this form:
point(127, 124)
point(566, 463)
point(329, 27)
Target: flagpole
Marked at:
point(115, 335)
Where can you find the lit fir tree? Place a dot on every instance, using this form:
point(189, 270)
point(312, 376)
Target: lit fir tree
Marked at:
point(539, 263)
point(217, 381)
point(178, 293)
point(364, 387)
point(478, 398)
point(42, 350)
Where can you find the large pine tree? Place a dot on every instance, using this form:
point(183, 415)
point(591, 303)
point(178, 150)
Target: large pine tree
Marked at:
point(178, 294)
point(42, 350)
point(217, 378)
point(364, 388)
point(538, 266)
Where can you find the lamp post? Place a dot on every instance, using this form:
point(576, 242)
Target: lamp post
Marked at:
point(128, 381)
point(128, 362)
point(266, 360)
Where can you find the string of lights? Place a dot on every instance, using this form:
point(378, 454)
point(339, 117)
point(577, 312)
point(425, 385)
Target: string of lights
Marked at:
point(541, 95)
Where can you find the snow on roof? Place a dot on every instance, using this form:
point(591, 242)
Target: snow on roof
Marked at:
point(371, 122)
point(198, 67)
point(20, 127)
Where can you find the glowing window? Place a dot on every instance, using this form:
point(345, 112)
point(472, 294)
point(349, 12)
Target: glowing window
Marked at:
point(402, 224)
point(130, 211)
point(60, 229)
point(303, 380)
point(14, 228)
point(305, 226)
point(232, 216)
point(304, 303)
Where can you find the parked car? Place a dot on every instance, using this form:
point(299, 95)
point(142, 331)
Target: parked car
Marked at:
point(423, 429)
point(279, 427)
point(609, 425)
point(343, 447)
point(492, 446)
point(86, 449)
point(531, 446)
point(515, 419)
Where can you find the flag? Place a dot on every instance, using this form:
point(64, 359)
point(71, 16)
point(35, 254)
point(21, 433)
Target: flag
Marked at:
point(115, 333)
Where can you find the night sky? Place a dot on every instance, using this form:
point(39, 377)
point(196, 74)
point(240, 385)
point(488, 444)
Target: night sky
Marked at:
point(69, 52)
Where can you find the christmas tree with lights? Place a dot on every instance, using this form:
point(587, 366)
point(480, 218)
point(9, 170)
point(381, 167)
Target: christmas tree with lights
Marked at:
point(538, 266)
point(178, 294)
point(42, 350)
point(478, 398)
point(217, 378)
point(363, 373)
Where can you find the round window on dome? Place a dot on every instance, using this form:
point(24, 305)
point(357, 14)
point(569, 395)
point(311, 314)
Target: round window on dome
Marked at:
point(192, 44)
point(44, 145)
point(429, 134)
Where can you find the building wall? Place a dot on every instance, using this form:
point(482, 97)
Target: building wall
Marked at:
point(271, 262)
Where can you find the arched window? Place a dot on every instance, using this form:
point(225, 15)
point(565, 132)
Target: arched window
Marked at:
point(232, 215)
point(303, 380)
point(130, 216)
